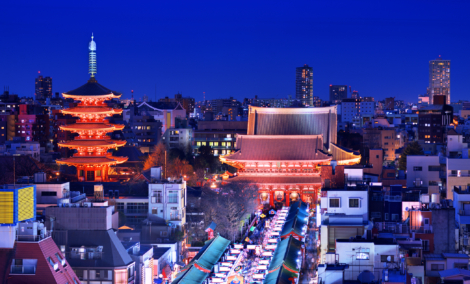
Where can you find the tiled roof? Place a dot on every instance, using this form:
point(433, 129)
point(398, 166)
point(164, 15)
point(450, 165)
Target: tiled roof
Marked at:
point(454, 272)
point(114, 253)
point(161, 105)
point(279, 148)
point(203, 263)
point(91, 126)
point(92, 160)
point(280, 276)
point(91, 88)
point(45, 273)
point(286, 254)
point(276, 179)
point(94, 110)
point(93, 143)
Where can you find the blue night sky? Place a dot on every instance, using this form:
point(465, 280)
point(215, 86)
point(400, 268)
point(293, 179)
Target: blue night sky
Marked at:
point(236, 48)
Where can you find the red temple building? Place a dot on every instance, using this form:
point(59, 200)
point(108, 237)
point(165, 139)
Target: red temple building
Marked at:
point(283, 151)
point(92, 159)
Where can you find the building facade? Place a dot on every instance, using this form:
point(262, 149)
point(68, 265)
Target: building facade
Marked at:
point(304, 85)
point(439, 79)
point(338, 93)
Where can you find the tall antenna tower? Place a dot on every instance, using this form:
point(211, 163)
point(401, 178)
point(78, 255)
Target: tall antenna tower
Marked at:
point(92, 57)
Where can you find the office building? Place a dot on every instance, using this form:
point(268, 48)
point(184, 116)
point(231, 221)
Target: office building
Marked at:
point(338, 93)
point(304, 85)
point(439, 79)
point(220, 135)
point(433, 120)
point(43, 88)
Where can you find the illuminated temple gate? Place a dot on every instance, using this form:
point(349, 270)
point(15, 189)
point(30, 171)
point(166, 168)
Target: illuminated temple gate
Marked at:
point(283, 151)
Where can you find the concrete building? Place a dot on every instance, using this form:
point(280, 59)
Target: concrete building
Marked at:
point(304, 85)
point(457, 174)
point(433, 120)
point(7, 127)
point(439, 79)
point(367, 255)
point(142, 255)
point(443, 223)
point(439, 262)
point(164, 112)
point(167, 200)
point(18, 146)
point(180, 138)
point(84, 233)
point(220, 135)
point(43, 88)
point(423, 171)
point(457, 145)
point(383, 138)
point(338, 93)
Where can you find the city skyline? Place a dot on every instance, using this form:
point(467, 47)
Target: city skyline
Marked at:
point(256, 48)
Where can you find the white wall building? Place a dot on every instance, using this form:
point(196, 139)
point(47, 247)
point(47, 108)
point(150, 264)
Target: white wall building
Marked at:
point(180, 138)
point(458, 174)
point(21, 148)
point(422, 171)
point(348, 202)
point(167, 200)
point(363, 255)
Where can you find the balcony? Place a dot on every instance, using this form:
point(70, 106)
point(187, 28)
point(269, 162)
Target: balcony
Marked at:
point(399, 228)
point(175, 217)
point(463, 217)
point(23, 269)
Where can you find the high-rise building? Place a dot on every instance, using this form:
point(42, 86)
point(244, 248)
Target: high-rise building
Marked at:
point(43, 87)
point(439, 79)
point(338, 92)
point(355, 95)
point(304, 85)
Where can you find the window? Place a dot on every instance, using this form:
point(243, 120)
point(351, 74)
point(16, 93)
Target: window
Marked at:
point(61, 260)
point(48, 193)
point(137, 207)
point(79, 273)
point(157, 197)
point(198, 143)
point(394, 217)
point(434, 168)
point(461, 265)
point(354, 203)
point(385, 258)
point(334, 202)
point(437, 267)
point(362, 256)
point(375, 215)
point(386, 216)
point(120, 207)
point(417, 169)
point(53, 264)
point(173, 196)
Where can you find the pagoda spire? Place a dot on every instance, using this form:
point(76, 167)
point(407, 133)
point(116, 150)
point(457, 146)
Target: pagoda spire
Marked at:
point(92, 57)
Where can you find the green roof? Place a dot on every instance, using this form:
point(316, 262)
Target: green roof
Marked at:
point(190, 276)
point(206, 258)
point(287, 252)
point(295, 225)
point(280, 276)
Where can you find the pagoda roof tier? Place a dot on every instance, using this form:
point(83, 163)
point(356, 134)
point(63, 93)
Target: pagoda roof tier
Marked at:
point(92, 160)
point(276, 179)
point(92, 89)
point(92, 127)
point(93, 143)
point(91, 110)
point(279, 148)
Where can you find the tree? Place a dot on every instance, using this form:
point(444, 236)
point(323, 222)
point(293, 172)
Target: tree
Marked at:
point(229, 206)
point(206, 159)
point(412, 149)
point(156, 158)
point(178, 168)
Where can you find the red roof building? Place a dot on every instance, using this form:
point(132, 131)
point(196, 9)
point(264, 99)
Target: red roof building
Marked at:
point(284, 150)
point(35, 259)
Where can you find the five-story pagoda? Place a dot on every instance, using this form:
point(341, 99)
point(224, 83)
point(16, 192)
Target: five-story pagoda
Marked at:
point(92, 159)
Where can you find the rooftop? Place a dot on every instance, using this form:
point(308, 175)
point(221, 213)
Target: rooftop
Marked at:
point(91, 88)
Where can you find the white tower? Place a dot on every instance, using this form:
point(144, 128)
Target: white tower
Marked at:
point(92, 57)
